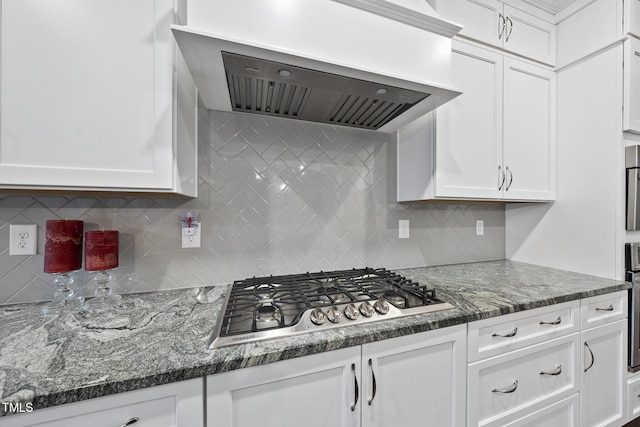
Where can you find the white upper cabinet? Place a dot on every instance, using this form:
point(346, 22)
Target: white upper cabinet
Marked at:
point(496, 141)
point(503, 26)
point(631, 109)
point(90, 98)
point(529, 153)
point(632, 17)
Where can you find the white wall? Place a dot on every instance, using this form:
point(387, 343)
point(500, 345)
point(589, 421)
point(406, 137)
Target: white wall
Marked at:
point(584, 229)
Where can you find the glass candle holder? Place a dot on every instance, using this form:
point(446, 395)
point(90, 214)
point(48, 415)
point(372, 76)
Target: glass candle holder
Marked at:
point(62, 256)
point(100, 256)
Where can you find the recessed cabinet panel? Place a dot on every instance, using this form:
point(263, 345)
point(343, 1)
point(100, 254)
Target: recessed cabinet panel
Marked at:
point(319, 389)
point(88, 95)
point(631, 110)
point(529, 131)
point(479, 19)
point(467, 155)
point(604, 373)
point(500, 25)
point(529, 36)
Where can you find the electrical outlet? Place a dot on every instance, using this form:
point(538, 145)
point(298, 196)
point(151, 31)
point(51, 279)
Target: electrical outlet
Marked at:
point(23, 239)
point(403, 229)
point(191, 236)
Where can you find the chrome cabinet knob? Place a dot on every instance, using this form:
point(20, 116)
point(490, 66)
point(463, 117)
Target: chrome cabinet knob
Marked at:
point(318, 317)
point(351, 312)
point(366, 309)
point(334, 315)
point(381, 306)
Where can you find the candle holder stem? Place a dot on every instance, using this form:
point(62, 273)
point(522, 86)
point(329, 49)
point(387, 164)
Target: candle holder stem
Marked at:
point(104, 292)
point(62, 294)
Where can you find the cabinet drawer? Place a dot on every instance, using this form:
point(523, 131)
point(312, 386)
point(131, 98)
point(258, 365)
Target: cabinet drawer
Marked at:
point(633, 386)
point(522, 381)
point(491, 337)
point(603, 309)
point(168, 405)
point(565, 413)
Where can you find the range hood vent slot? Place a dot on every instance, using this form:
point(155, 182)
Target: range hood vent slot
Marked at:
point(262, 86)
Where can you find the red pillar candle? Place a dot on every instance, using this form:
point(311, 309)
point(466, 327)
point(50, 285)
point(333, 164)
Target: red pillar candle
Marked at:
point(100, 250)
point(63, 247)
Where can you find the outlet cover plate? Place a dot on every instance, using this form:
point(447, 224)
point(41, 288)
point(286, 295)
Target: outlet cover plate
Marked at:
point(23, 239)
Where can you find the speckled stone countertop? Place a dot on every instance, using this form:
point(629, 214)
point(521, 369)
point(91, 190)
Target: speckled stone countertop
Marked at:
point(161, 337)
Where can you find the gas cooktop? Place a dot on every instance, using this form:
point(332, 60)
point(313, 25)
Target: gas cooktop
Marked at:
point(276, 306)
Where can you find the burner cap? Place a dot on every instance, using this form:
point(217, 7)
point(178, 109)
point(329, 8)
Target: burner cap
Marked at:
point(267, 313)
point(394, 298)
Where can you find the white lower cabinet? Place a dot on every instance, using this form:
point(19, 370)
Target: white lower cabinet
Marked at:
point(410, 381)
point(565, 413)
point(633, 396)
point(604, 357)
point(171, 405)
point(500, 388)
point(561, 365)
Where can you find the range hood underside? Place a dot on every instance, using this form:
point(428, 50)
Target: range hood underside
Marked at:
point(261, 86)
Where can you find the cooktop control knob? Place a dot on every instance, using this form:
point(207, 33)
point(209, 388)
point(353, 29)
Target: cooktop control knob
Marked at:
point(351, 312)
point(367, 309)
point(334, 315)
point(381, 306)
point(317, 316)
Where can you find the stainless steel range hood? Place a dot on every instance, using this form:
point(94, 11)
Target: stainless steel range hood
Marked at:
point(372, 64)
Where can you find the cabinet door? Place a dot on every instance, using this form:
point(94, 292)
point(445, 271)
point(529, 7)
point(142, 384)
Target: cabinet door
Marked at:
point(416, 380)
point(87, 93)
point(631, 110)
point(316, 391)
point(469, 127)
point(480, 20)
point(529, 131)
point(604, 375)
point(529, 36)
point(170, 405)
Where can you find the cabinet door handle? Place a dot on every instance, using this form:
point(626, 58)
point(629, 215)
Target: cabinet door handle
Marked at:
point(130, 421)
point(556, 371)
point(509, 24)
point(555, 322)
point(501, 25)
point(510, 179)
point(593, 359)
point(610, 308)
point(356, 388)
point(511, 389)
point(503, 178)
point(373, 384)
point(507, 335)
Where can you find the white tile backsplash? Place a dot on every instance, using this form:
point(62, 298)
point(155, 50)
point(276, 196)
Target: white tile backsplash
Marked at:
point(276, 197)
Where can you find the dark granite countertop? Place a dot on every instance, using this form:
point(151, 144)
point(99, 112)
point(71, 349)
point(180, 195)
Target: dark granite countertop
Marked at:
point(161, 337)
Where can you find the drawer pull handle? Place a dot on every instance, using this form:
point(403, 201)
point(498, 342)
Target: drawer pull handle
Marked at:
point(130, 421)
point(593, 359)
point(507, 335)
point(556, 371)
point(511, 389)
point(356, 388)
point(555, 322)
point(373, 384)
point(610, 308)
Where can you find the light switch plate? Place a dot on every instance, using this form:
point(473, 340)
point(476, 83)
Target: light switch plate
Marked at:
point(403, 229)
point(23, 239)
point(479, 227)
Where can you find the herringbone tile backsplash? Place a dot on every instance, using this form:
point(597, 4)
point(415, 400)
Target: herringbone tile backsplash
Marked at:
point(275, 197)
